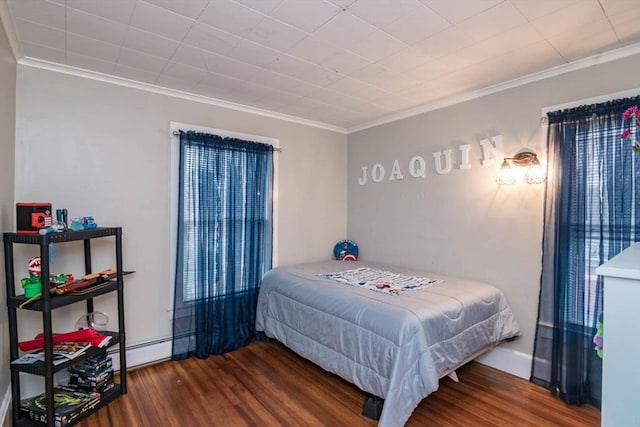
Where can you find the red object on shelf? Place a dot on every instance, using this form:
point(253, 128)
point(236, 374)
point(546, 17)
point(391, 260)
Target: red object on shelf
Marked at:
point(88, 334)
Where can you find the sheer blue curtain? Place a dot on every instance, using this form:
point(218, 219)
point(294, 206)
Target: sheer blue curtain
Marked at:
point(591, 214)
point(224, 242)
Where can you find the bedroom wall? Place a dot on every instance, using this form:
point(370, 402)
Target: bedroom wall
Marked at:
point(463, 223)
point(101, 149)
point(7, 127)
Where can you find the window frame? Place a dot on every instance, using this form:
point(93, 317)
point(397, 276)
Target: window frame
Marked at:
point(174, 172)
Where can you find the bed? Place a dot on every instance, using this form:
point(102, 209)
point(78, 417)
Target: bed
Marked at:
point(395, 347)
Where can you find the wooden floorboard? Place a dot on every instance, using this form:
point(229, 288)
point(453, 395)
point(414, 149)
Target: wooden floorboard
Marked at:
point(265, 384)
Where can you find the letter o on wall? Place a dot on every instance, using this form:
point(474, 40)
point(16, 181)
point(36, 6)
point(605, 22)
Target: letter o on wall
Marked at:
point(377, 172)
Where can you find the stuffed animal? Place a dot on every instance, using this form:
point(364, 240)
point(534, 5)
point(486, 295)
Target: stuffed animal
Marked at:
point(598, 339)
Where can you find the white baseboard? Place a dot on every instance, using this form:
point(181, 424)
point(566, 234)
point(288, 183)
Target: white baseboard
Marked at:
point(509, 361)
point(5, 415)
point(144, 354)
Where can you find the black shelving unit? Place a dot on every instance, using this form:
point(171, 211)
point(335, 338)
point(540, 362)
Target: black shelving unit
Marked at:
point(49, 302)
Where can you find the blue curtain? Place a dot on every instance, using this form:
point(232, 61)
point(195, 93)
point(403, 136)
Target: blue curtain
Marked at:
point(224, 242)
point(591, 214)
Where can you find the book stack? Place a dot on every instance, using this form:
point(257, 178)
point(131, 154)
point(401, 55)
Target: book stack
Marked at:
point(94, 374)
point(70, 403)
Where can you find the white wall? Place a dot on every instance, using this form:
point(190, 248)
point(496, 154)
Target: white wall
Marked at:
point(7, 206)
point(103, 150)
point(463, 223)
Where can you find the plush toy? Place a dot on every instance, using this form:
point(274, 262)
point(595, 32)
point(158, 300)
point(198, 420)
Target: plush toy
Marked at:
point(598, 339)
point(345, 250)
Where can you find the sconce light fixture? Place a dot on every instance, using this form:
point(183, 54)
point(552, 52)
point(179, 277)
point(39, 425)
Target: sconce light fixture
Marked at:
point(535, 174)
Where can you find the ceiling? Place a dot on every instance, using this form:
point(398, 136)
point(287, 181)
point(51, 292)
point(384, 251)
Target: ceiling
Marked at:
point(340, 63)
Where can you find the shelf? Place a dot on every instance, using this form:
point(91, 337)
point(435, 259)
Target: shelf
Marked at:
point(62, 300)
point(65, 236)
point(49, 302)
point(38, 368)
point(107, 398)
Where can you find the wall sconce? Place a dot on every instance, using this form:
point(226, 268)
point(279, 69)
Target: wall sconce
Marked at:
point(535, 174)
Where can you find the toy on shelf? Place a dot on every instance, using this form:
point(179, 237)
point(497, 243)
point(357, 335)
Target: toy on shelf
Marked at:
point(32, 284)
point(84, 223)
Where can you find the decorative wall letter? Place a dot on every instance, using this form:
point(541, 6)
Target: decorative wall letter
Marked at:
point(464, 156)
point(395, 172)
point(363, 179)
point(422, 167)
point(491, 149)
point(437, 157)
point(377, 172)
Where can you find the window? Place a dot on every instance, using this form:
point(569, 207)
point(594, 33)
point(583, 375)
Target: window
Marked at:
point(175, 127)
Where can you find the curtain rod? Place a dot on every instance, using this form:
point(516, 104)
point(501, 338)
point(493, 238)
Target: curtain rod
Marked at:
point(177, 133)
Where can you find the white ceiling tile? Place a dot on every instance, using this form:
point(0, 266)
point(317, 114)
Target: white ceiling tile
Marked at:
point(573, 46)
point(502, 43)
point(92, 48)
point(221, 82)
point(455, 12)
point(305, 15)
point(344, 62)
point(404, 60)
point(416, 26)
point(444, 43)
point(44, 52)
point(141, 61)
point(189, 8)
point(535, 9)
point(90, 63)
point(321, 76)
point(534, 57)
point(113, 10)
point(356, 88)
point(281, 82)
point(31, 32)
point(571, 19)
point(493, 21)
point(211, 39)
point(150, 43)
point(262, 6)
point(95, 27)
point(373, 74)
point(290, 66)
point(192, 56)
point(230, 67)
point(180, 71)
point(313, 49)
point(157, 20)
point(382, 12)
point(370, 56)
point(343, 29)
point(230, 16)
point(375, 46)
point(40, 12)
point(271, 33)
point(253, 53)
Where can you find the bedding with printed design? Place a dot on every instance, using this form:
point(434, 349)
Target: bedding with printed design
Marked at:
point(394, 346)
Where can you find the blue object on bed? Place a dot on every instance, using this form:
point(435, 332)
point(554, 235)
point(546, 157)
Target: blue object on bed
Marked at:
point(397, 347)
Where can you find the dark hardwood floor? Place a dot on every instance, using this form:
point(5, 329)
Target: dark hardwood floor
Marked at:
point(265, 384)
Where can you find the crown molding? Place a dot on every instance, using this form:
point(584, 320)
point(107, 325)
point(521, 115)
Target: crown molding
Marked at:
point(584, 63)
point(580, 64)
point(148, 87)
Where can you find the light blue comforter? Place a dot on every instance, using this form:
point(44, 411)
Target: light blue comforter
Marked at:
point(394, 347)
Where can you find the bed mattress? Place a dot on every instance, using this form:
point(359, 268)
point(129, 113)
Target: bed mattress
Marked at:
point(395, 347)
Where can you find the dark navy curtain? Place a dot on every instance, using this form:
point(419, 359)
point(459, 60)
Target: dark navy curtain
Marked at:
point(224, 242)
point(591, 214)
